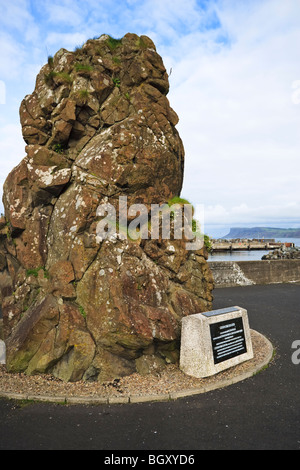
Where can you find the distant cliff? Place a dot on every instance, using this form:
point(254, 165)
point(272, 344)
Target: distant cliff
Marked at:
point(262, 232)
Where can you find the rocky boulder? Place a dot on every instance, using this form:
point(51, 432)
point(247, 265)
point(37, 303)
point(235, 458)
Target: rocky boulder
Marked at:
point(97, 126)
point(283, 253)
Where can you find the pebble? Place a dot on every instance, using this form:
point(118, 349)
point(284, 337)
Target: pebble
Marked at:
point(171, 380)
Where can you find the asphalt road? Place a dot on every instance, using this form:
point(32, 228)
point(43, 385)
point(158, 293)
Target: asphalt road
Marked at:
point(262, 412)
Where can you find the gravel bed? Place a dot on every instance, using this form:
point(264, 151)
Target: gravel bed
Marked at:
point(171, 380)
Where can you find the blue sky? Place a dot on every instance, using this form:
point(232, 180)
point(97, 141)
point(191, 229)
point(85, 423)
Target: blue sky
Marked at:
point(235, 85)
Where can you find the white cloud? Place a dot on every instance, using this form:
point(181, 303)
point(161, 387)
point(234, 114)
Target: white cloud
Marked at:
point(242, 214)
point(2, 92)
point(67, 13)
point(67, 40)
point(15, 14)
point(11, 57)
point(239, 124)
point(12, 151)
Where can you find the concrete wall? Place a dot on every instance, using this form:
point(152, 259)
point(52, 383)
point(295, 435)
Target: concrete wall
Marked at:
point(247, 273)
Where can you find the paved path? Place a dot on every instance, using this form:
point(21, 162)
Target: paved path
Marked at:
point(262, 412)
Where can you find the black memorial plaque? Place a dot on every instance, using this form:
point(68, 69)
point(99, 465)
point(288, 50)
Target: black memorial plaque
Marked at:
point(228, 339)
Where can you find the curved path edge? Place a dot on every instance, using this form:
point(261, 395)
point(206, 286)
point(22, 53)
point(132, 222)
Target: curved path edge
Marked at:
point(97, 400)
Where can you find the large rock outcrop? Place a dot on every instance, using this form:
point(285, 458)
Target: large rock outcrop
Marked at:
point(97, 126)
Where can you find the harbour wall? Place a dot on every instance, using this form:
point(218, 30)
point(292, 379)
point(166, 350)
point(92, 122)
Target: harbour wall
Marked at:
point(247, 273)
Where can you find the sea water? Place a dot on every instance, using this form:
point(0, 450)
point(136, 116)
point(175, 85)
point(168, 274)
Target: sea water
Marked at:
point(252, 255)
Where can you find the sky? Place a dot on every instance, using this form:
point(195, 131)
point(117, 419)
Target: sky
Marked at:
point(235, 85)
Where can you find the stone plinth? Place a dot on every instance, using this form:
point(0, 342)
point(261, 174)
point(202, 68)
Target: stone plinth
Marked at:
point(2, 352)
point(214, 341)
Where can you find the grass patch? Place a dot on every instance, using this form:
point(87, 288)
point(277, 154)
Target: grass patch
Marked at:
point(266, 366)
point(50, 61)
point(117, 82)
point(62, 77)
point(195, 230)
point(113, 43)
point(58, 148)
point(78, 49)
point(65, 78)
point(82, 311)
point(178, 200)
point(35, 272)
point(141, 43)
point(46, 274)
point(207, 243)
point(83, 69)
point(83, 96)
point(49, 77)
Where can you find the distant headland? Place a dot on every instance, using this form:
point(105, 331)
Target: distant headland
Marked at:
point(262, 232)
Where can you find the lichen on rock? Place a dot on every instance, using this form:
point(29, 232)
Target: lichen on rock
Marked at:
point(97, 126)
